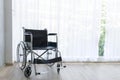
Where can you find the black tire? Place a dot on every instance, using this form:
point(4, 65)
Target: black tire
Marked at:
point(58, 68)
point(21, 55)
point(27, 71)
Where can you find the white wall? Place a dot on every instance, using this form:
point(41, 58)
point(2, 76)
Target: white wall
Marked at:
point(1, 32)
point(8, 31)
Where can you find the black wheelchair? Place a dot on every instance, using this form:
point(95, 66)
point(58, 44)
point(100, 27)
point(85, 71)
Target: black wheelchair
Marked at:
point(38, 40)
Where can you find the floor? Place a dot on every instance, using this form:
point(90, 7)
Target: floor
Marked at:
point(73, 71)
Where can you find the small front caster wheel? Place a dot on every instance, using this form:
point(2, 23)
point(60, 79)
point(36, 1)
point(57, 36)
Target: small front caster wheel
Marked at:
point(58, 68)
point(27, 71)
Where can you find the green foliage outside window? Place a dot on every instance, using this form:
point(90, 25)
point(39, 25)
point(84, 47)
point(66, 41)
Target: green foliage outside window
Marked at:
point(102, 42)
point(102, 31)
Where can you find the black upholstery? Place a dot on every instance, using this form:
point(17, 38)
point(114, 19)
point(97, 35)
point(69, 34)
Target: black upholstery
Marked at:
point(39, 38)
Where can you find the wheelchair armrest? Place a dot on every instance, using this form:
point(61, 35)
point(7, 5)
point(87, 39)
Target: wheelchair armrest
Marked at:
point(52, 44)
point(52, 34)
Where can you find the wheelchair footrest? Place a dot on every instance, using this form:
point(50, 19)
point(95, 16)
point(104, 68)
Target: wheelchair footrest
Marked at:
point(39, 61)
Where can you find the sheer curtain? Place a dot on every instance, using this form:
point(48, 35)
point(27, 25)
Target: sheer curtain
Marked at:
point(77, 23)
point(112, 43)
point(34, 14)
point(79, 29)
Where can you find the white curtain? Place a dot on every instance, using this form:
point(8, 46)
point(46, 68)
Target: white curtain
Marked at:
point(77, 23)
point(112, 43)
point(79, 29)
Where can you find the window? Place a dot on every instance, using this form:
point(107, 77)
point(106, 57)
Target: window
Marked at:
point(77, 23)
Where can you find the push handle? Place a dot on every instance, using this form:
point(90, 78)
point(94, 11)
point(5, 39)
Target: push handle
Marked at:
point(52, 34)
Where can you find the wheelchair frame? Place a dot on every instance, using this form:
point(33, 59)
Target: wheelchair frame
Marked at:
point(27, 46)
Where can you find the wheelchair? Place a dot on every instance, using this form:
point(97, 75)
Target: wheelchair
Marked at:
point(38, 40)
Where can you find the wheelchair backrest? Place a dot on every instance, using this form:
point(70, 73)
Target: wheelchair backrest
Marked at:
point(38, 38)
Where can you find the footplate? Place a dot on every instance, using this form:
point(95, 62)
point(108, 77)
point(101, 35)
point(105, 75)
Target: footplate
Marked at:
point(39, 61)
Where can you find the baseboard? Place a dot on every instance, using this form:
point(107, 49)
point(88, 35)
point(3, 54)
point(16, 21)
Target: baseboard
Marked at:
point(91, 60)
point(9, 64)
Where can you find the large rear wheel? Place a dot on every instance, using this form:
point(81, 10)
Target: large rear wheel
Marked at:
point(21, 55)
